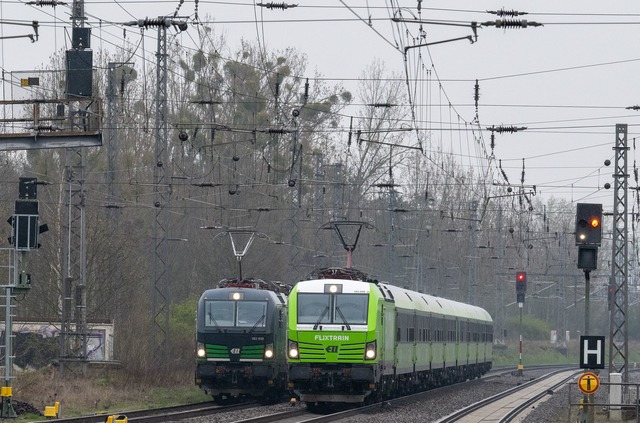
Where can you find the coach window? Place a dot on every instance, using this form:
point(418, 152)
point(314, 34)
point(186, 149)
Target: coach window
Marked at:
point(438, 330)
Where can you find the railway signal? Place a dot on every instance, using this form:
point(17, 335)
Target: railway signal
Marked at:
point(588, 224)
point(521, 286)
point(521, 290)
point(588, 234)
point(25, 221)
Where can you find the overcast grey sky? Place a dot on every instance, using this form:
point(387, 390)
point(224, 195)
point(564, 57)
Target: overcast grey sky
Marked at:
point(569, 81)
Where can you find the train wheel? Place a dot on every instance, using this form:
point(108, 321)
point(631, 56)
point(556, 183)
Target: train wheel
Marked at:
point(313, 407)
point(369, 399)
point(270, 396)
point(220, 399)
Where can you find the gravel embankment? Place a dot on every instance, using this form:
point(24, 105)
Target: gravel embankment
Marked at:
point(442, 403)
point(554, 408)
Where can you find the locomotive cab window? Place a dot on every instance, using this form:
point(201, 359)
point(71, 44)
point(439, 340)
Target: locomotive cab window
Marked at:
point(329, 308)
point(251, 314)
point(353, 307)
point(313, 308)
point(243, 314)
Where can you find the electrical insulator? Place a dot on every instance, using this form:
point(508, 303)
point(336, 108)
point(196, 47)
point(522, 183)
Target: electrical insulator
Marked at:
point(503, 12)
point(476, 93)
point(511, 23)
point(281, 6)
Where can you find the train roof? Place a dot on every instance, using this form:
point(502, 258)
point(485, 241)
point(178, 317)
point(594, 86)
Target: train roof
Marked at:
point(340, 273)
point(403, 298)
point(275, 286)
point(248, 294)
point(348, 286)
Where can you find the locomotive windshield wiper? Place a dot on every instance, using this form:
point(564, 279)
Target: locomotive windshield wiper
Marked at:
point(257, 323)
point(343, 319)
point(324, 312)
point(213, 320)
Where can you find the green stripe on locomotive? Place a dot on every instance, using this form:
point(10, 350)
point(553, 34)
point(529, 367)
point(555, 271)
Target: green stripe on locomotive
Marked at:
point(333, 346)
point(215, 351)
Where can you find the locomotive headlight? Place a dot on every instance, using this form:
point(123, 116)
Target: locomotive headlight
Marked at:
point(370, 350)
point(293, 349)
point(200, 350)
point(268, 351)
point(333, 288)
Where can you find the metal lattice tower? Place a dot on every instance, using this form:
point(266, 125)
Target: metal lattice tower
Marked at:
point(160, 336)
point(618, 347)
point(73, 337)
point(561, 295)
point(500, 308)
point(74, 256)
point(9, 263)
point(160, 332)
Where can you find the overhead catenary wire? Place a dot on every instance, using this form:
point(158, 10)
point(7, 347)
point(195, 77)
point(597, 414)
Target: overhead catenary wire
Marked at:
point(436, 129)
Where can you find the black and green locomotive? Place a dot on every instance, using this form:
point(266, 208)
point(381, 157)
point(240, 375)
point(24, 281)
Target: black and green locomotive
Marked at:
point(353, 340)
point(241, 341)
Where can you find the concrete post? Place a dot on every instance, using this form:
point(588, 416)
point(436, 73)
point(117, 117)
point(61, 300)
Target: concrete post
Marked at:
point(615, 397)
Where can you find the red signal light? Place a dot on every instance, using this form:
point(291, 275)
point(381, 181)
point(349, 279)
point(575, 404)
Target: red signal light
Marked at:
point(521, 286)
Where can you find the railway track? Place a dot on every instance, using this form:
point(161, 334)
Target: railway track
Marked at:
point(178, 412)
point(299, 415)
point(506, 406)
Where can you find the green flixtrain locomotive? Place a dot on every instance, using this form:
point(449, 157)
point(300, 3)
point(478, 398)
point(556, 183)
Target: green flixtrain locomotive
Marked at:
point(241, 341)
point(353, 340)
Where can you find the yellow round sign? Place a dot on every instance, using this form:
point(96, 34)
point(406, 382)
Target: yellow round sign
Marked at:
point(588, 382)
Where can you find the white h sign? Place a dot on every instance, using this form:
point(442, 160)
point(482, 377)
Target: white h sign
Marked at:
point(592, 352)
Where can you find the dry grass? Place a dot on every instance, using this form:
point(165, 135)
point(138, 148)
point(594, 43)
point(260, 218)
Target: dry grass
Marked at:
point(104, 390)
